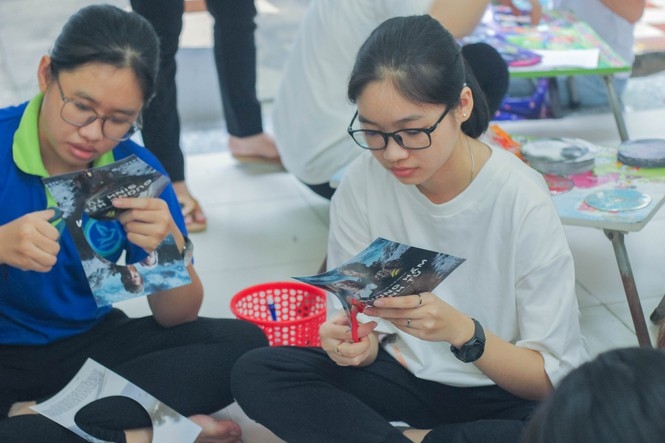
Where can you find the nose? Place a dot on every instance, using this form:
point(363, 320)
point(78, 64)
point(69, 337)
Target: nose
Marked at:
point(93, 131)
point(394, 151)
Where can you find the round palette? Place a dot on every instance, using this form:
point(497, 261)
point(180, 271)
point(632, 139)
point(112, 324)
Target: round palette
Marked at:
point(643, 153)
point(558, 184)
point(561, 156)
point(618, 200)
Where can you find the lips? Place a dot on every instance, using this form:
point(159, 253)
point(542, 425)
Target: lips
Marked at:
point(82, 152)
point(403, 172)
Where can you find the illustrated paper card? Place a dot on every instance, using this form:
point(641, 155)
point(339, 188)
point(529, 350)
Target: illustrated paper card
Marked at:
point(385, 269)
point(84, 198)
point(94, 382)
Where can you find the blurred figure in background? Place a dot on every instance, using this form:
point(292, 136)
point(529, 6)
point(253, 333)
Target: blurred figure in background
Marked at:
point(311, 111)
point(235, 58)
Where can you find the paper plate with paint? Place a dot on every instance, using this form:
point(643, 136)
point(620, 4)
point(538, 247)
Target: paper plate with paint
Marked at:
point(643, 153)
point(618, 200)
point(560, 156)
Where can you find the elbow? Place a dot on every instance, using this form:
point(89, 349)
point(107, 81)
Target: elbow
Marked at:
point(631, 16)
point(543, 393)
point(545, 389)
point(634, 18)
point(632, 11)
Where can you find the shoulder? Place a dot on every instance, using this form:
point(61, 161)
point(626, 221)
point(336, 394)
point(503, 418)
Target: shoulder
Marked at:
point(364, 177)
point(10, 117)
point(510, 168)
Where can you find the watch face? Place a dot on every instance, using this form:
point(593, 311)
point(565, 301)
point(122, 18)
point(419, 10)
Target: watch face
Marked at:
point(474, 348)
point(472, 351)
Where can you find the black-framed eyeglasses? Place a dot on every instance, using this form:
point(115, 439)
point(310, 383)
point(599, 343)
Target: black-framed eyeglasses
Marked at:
point(414, 139)
point(80, 115)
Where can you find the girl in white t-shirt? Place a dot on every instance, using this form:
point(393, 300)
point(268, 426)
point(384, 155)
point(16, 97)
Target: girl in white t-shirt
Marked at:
point(469, 361)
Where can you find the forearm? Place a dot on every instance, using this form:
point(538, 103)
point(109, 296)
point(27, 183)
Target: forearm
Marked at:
point(517, 370)
point(459, 17)
point(631, 10)
point(178, 305)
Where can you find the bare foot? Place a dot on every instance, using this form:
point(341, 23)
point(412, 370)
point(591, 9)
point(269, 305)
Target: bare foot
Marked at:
point(21, 408)
point(259, 145)
point(416, 435)
point(216, 431)
point(195, 219)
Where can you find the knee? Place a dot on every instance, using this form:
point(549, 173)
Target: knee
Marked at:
point(251, 372)
point(254, 336)
point(33, 428)
point(250, 365)
point(222, 331)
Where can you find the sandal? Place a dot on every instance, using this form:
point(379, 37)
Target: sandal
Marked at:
point(195, 219)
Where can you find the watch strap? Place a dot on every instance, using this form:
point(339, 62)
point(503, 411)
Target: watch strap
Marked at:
point(473, 349)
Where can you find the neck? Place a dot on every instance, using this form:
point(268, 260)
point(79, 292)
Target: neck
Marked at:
point(460, 170)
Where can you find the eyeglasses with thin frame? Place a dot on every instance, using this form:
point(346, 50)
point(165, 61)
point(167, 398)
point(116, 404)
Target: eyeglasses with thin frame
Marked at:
point(413, 139)
point(79, 114)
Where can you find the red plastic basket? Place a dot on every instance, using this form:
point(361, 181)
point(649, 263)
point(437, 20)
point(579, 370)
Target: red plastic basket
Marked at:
point(300, 309)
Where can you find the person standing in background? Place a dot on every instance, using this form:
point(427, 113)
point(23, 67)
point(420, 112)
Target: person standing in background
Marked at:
point(235, 60)
point(311, 110)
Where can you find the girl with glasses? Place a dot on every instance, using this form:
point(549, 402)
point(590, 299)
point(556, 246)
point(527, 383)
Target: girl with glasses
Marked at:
point(469, 361)
point(93, 87)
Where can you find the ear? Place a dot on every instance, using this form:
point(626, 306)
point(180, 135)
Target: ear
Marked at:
point(44, 73)
point(465, 104)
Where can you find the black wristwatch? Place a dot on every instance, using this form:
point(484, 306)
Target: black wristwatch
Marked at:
point(474, 348)
point(188, 251)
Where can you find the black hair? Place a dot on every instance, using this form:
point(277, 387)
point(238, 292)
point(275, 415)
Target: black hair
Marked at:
point(424, 63)
point(106, 34)
point(618, 397)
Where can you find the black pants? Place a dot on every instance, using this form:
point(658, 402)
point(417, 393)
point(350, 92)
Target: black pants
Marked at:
point(187, 367)
point(303, 396)
point(324, 190)
point(235, 58)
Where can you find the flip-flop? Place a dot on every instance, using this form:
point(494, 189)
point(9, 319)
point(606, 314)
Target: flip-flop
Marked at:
point(190, 207)
point(277, 161)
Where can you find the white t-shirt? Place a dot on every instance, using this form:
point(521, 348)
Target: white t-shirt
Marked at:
point(311, 111)
point(518, 279)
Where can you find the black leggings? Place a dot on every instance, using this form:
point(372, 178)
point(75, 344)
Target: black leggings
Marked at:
point(303, 396)
point(187, 367)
